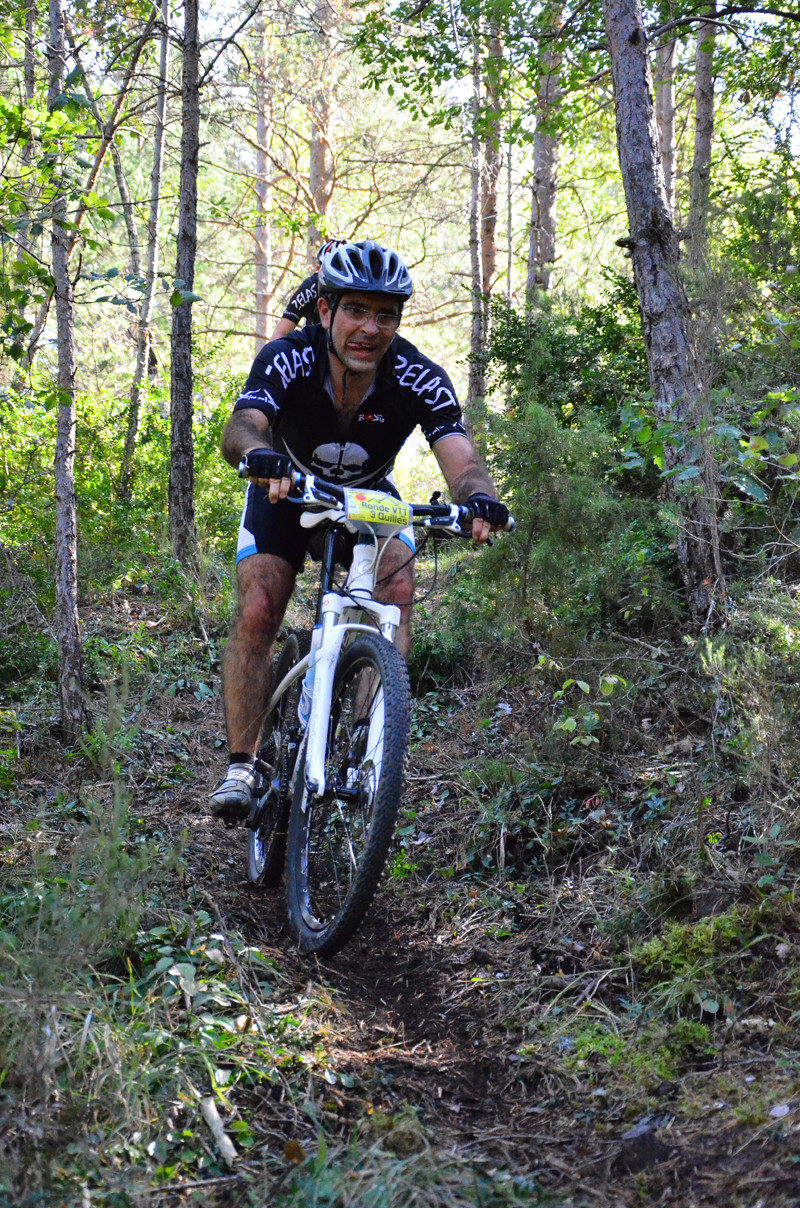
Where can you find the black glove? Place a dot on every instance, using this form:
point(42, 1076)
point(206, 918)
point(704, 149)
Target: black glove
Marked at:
point(303, 302)
point(485, 508)
point(265, 463)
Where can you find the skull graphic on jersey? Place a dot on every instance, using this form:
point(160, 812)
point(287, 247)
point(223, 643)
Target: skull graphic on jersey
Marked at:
point(338, 462)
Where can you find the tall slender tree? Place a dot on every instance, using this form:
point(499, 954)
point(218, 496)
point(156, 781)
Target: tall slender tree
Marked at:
point(107, 134)
point(665, 107)
point(183, 533)
point(492, 158)
point(144, 339)
point(74, 712)
point(321, 162)
point(263, 228)
point(546, 147)
point(477, 381)
point(700, 171)
point(655, 252)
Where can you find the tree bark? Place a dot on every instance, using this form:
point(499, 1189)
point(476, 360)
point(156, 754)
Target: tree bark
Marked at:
point(492, 162)
point(74, 713)
point(134, 247)
point(26, 242)
point(655, 252)
point(544, 186)
point(263, 231)
point(320, 165)
point(183, 537)
point(665, 111)
point(91, 180)
point(700, 171)
point(144, 336)
point(476, 385)
point(29, 82)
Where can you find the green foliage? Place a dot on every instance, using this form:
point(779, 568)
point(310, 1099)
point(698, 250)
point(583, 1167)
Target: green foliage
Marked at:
point(579, 359)
point(466, 613)
point(753, 674)
point(390, 1164)
point(119, 541)
point(591, 549)
point(695, 947)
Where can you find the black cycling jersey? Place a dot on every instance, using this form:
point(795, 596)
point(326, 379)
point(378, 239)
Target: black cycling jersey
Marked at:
point(303, 302)
point(287, 383)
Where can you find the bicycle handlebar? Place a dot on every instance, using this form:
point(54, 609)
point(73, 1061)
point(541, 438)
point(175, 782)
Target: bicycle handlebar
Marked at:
point(448, 517)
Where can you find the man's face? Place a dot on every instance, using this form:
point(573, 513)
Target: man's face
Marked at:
point(363, 328)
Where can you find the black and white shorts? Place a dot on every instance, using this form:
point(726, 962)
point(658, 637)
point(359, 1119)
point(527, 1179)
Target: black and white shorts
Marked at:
point(274, 528)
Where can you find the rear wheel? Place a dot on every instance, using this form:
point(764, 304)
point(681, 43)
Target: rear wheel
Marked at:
point(338, 842)
point(267, 836)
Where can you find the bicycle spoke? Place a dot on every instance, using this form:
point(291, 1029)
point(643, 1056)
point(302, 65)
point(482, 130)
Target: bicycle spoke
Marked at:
point(339, 842)
point(339, 828)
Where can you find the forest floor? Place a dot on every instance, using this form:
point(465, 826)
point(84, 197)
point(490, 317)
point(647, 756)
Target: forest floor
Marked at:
point(428, 1011)
point(494, 1034)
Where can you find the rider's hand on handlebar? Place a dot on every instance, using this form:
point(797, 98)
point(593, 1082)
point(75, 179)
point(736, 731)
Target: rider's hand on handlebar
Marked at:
point(266, 468)
point(488, 515)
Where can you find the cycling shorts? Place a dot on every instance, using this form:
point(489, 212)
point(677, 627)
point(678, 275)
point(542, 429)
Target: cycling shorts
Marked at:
point(274, 528)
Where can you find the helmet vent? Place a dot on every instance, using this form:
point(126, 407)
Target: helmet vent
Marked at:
point(366, 266)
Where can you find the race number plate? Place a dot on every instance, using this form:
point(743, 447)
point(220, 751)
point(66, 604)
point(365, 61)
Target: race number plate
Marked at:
point(373, 507)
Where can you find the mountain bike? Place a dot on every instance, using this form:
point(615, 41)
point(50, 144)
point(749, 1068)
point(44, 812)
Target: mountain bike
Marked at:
point(337, 724)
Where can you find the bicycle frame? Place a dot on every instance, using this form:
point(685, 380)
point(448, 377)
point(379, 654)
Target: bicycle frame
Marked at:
point(339, 610)
point(337, 613)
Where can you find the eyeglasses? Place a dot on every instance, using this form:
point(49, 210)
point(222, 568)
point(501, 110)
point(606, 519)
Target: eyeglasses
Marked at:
point(385, 321)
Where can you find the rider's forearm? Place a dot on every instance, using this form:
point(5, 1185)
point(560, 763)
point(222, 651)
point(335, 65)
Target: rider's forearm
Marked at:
point(245, 430)
point(472, 479)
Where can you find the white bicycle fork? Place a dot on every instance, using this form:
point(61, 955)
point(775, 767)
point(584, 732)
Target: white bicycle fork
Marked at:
point(326, 645)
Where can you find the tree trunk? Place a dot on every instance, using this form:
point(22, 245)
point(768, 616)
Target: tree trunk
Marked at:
point(544, 186)
point(144, 335)
point(665, 111)
point(492, 162)
point(509, 216)
point(29, 78)
point(263, 231)
point(476, 385)
point(183, 537)
point(91, 180)
point(320, 166)
point(655, 252)
point(28, 155)
point(135, 264)
point(700, 171)
point(74, 713)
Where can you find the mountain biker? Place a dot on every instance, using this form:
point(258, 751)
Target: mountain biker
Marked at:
point(302, 303)
point(338, 400)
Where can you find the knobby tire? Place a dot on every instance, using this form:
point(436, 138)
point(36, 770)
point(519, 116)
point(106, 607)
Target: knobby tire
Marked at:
point(266, 846)
point(338, 844)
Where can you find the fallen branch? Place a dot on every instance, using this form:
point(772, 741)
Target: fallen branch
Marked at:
point(225, 1145)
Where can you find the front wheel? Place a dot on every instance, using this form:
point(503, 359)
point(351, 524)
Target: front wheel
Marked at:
point(267, 835)
point(338, 843)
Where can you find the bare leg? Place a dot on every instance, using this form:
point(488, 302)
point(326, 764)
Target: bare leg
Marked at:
point(395, 585)
point(266, 583)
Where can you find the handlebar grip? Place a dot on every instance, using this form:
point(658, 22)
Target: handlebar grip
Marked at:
point(243, 472)
point(468, 517)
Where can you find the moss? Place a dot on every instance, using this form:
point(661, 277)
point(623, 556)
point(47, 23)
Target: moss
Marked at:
point(686, 946)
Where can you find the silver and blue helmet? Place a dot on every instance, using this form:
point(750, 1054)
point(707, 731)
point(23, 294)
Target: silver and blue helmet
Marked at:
point(365, 265)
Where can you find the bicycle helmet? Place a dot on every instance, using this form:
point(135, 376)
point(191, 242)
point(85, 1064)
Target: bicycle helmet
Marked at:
point(366, 265)
point(329, 246)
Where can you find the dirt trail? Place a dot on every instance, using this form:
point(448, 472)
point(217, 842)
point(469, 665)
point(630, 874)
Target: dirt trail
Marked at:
point(416, 1021)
